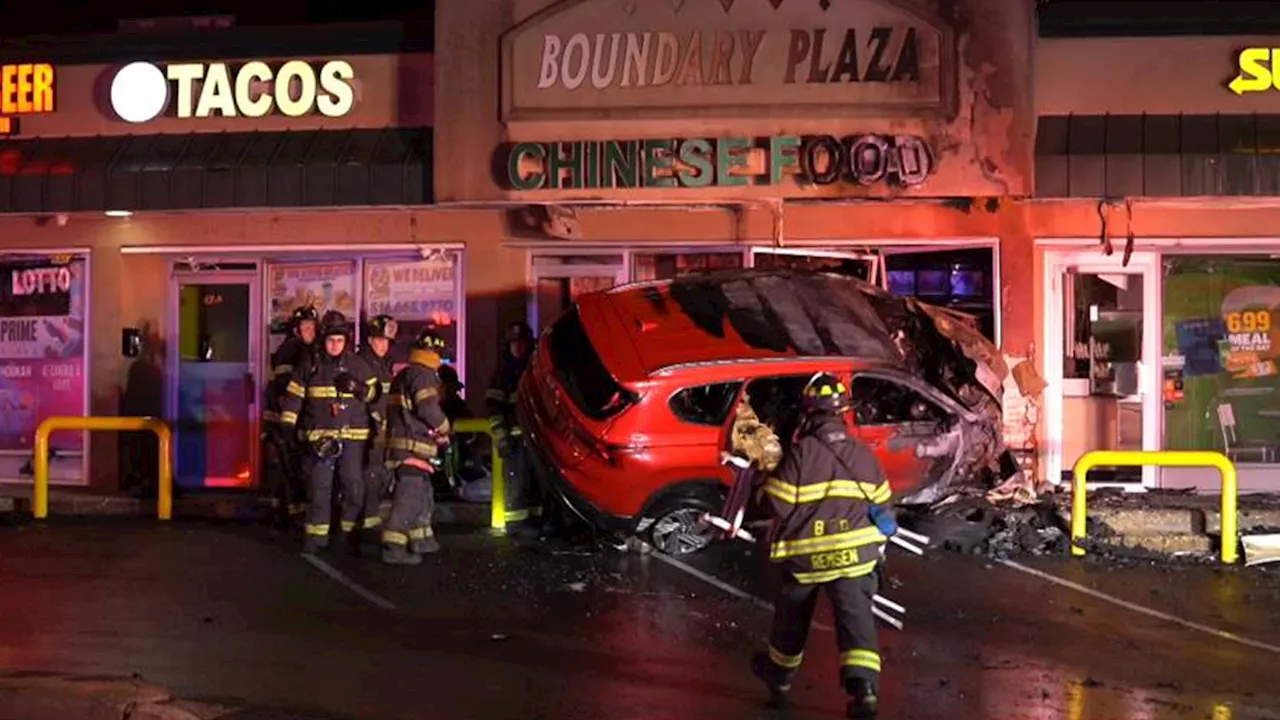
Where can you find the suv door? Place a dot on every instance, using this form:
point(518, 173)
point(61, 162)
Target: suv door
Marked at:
point(916, 438)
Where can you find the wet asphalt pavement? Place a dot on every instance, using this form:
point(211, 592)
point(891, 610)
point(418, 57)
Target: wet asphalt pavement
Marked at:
point(491, 630)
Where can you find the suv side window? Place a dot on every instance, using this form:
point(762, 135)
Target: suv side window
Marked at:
point(705, 404)
point(776, 401)
point(880, 401)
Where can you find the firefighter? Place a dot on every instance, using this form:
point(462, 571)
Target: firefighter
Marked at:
point(288, 487)
point(327, 403)
point(822, 499)
point(523, 506)
point(417, 430)
point(380, 334)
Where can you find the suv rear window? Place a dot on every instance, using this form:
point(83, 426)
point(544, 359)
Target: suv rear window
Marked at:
point(582, 373)
point(705, 404)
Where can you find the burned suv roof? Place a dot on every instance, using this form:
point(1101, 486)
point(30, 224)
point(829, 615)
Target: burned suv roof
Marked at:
point(761, 314)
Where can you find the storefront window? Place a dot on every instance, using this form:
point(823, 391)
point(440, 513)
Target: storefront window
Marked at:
point(669, 265)
point(1221, 387)
point(42, 360)
point(329, 285)
point(417, 293)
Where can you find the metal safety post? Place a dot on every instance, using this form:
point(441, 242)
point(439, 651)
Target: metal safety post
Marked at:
point(498, 481)
point(40, 463)
point(1157, 458)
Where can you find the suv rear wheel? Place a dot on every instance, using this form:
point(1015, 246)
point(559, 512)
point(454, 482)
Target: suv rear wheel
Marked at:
point(677, 527)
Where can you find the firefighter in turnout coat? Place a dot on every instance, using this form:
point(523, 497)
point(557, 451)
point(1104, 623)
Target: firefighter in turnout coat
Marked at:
point(376, 355)
point(285, 477)
point(523, 504)
point(823, 498)
point(417, 431)
point(327, 401)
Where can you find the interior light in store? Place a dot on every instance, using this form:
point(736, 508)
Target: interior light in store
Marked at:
point(119, 213)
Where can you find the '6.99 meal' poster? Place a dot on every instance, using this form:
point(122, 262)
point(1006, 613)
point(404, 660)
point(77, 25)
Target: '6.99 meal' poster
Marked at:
point(42, 321)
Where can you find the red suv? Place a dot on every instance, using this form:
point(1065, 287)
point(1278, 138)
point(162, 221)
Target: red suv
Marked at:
point(630, 395)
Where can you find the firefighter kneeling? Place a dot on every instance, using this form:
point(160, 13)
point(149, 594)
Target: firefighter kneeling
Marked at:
point(329, 406)
point(417, 430)
point(822, 498)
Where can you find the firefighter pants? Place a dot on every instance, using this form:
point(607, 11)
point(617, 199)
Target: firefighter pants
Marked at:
point(377, 483)
point(856, 633)
point(411, 506)
point(348, 467)
point(523, 499)
point(284, 476)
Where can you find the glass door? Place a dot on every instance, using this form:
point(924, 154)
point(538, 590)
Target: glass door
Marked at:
point(214, 388)
point(556, 281)
point(1102, 362)
point(862, 265)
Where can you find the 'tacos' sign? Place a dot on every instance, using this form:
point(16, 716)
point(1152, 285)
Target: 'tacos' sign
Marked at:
point(902, 160)
point(668, 58)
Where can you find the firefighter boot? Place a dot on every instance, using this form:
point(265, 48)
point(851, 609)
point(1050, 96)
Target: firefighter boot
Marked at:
point(767, 672)
point(399, 555)
point(863, 703)
point(424, 546)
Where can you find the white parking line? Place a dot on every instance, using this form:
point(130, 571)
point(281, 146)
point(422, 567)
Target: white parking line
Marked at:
point(717, 582)
point(1150, 612)
point(348, 583)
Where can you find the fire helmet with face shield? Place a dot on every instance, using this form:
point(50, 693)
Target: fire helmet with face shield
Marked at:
point(824, 393)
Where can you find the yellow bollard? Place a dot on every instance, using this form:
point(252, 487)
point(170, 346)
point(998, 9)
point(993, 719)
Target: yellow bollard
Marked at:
point(1159, 458)
point(40, 464)
point(498, 501)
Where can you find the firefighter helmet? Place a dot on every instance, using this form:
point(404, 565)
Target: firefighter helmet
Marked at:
point(302, 314)
point(382, 326)
point(429, 339)
point(334, 323)
point(825, 393)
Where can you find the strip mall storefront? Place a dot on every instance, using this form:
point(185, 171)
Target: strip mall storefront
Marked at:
point(638, 141)
point(1168, 341)
point(199, 202)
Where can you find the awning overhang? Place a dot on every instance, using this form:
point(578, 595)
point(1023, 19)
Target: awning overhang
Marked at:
point(307, 169)
point(1157, 156)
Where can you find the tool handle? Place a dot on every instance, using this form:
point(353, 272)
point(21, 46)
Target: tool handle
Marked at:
point(724, 525)
point(882, 600)
point(913, 536)
point(906, 545)
point(889, 619)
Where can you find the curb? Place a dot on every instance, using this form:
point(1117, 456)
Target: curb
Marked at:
point(46, 696)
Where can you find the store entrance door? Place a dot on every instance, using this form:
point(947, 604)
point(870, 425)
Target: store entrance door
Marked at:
point(214, 391)
point(1102, 362)
point(555, 287)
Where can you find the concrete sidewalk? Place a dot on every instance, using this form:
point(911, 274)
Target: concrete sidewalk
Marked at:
point(42, 696)
point(214, 505)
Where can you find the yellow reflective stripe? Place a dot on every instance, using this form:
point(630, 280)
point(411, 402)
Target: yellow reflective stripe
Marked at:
point(322, 391)
point(790, 662)
point(386, 387)
point(348, 525)
point(811, 578)
point(796, 494)
point(289, 417)
point(316, 529)
point(516, 431)
point(391, 537)
point(270, 416)
point(338, 433)
point(425, 394)
point(421, 533)
point(371, 382)
point(372, 522)
point(869, 659)
point(295, 388)
point(444, 427)
point(517, 515)
point(826, 543)
point(495, 394)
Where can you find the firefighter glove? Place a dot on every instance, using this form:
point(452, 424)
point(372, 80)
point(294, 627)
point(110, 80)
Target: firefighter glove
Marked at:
point(883, 519)
point(345, 383)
